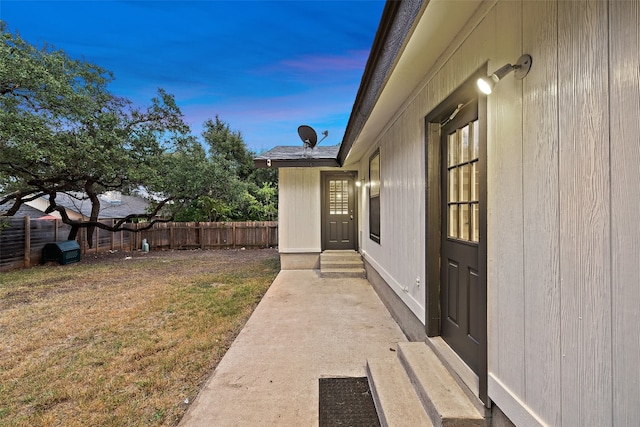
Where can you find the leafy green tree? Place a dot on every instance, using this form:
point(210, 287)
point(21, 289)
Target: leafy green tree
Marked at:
point(227, 149)
point(61, 130)
point(239, 191)
point(263, 204)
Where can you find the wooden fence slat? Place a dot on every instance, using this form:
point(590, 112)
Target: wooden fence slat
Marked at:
point(27, 241)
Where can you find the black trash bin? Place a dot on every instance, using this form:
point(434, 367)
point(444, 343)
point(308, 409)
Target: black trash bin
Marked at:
point(64, 252)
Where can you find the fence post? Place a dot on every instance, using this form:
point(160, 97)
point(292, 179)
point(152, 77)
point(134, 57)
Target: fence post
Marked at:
point(201, 235)
point(27, 241)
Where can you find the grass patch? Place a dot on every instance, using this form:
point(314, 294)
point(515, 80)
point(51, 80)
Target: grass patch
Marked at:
point(121, 342)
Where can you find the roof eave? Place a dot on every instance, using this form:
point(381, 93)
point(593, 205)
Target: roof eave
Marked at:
point(397, 21)
point(295, 163)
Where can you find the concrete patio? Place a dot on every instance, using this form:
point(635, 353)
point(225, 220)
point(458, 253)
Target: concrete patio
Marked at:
point(305, 328)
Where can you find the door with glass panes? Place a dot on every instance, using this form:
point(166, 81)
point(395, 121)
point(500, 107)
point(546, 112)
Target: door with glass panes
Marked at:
point(463, 292)
point(338, 211)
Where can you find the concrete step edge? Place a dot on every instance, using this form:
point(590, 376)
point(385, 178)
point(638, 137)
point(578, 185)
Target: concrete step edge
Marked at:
point(343, 272)
point(340, 253)
point(395, 398)
point(354, 257)
point(445, 402)
point(341, 263)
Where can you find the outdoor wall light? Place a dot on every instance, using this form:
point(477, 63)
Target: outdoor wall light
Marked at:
point(521, 68)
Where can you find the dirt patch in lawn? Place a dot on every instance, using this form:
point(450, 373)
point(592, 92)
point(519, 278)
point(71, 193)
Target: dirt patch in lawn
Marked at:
point(122, 338)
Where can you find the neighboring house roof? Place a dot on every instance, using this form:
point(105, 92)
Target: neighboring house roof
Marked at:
point(112, 205)
point(26, 210)
point(291, 156)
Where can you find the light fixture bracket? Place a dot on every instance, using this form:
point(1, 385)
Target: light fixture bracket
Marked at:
point(522, 67)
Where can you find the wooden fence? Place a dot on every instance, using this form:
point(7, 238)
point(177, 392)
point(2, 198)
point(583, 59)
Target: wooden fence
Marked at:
point(21, 242)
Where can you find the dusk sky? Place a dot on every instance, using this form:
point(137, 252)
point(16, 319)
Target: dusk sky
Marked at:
point(264, 67)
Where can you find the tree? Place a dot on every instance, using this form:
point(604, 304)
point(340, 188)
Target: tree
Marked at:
point(61, 130)
point(250, 193)
point(238, 190)
point(227, 148)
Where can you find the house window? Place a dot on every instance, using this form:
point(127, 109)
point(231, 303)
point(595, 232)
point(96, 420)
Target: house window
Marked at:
point(374, 197)
point(463, 183)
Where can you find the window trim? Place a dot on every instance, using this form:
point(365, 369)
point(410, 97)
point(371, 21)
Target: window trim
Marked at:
point(374, 196)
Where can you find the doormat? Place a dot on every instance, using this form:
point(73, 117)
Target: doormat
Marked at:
point(347, 402)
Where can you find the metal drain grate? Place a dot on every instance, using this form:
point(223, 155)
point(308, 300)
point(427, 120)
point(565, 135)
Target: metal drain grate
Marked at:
point(346, 402)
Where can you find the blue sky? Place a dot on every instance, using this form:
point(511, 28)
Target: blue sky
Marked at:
point(264, 67)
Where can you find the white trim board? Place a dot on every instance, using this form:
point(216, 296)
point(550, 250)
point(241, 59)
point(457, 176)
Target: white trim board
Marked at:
point(514, 408)
point(413, 305)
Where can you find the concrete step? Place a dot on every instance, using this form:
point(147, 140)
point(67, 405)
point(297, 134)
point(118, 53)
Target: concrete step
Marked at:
point(443, 399)
point(395, 398)
point(341, 264)
point(343, 255)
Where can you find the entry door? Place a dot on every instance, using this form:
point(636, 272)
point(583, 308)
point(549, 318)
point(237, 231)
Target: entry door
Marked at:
point(338, 211)
point(463, 295)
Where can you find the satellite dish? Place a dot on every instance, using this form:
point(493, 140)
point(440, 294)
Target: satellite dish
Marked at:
point(308, 136)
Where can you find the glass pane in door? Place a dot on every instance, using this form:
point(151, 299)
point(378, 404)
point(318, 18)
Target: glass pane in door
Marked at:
point(463, 232)
point(453, 221)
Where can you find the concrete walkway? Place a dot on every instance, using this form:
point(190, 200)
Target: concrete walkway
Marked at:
point(305, 328)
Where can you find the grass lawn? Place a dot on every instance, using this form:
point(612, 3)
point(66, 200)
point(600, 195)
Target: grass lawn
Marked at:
point(111, 341)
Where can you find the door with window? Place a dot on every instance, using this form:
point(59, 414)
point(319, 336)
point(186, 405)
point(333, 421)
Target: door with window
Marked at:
point(463, 291)
point(338, 211)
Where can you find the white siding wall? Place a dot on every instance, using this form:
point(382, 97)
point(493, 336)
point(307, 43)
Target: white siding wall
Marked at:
point(399, 257)
point(541, 284)
point(624, 116)
point(563, 199)
point(299, 210)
